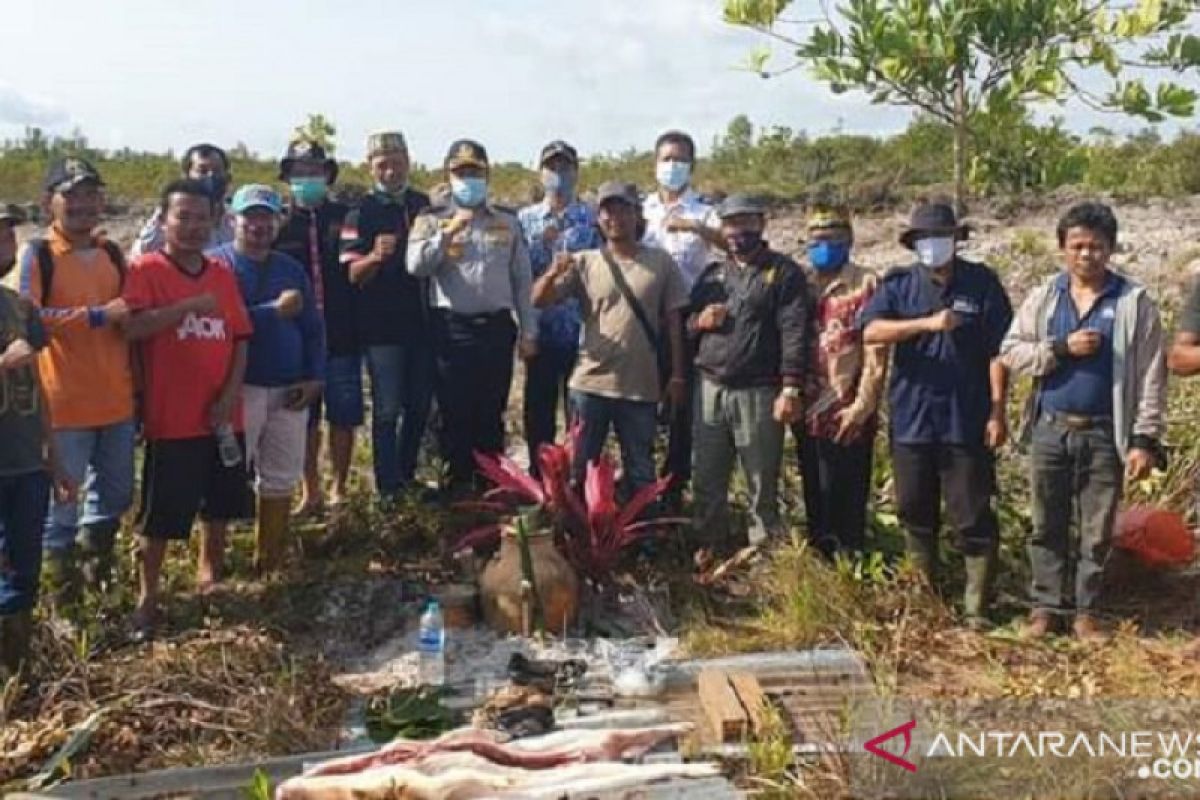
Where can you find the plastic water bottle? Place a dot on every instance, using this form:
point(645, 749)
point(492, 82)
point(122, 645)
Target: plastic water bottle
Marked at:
point(431, 645)
point(227, 446)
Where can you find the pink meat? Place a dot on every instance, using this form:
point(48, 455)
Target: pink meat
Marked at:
point(553, 750)
point(466, 781)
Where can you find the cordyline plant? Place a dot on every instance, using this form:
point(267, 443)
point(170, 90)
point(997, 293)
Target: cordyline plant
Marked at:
point(594, 529)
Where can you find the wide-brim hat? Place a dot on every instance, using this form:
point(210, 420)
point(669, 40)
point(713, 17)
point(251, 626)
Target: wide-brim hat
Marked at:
point(933, 219)
point(308, 152)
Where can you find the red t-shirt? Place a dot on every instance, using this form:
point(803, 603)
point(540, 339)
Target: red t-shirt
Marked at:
point(186, 366)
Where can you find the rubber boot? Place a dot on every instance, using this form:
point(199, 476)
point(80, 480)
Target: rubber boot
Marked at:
point(270, 533)
point(95, 547)
point(16, 630)
point(61, 578)
point(923, 552)
point(979, 585)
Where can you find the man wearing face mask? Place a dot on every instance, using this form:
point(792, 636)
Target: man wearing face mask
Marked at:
point(843, 388)
point(748, 322)
point(945, 317)
point(476, 258)
point(208, 164)
point(285, 363)
point(678, 221)
point(75, 276)
point(391, 306)
point(558, 224)
point(311, 235)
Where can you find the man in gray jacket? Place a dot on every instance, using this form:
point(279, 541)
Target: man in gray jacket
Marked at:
point(1092, 340)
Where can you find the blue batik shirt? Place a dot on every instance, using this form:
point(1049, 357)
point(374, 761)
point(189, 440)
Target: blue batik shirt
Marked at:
point(559, 325)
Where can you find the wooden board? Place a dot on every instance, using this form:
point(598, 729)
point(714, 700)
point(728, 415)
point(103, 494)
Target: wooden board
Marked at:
point(753, 699)
point(727, 719)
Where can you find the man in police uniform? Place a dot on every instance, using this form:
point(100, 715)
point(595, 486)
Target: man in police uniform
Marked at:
point(477, 261)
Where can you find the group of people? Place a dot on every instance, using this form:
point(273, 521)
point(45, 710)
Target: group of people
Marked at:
point(238, 330)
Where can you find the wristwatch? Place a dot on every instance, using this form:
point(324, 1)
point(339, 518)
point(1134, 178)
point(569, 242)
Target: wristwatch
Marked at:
point(791, 392)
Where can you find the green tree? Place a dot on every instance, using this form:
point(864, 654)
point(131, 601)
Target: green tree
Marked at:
point(319, 129)
point(963, 61)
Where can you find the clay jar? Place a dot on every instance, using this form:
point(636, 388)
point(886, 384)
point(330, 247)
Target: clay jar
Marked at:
point(557, 584)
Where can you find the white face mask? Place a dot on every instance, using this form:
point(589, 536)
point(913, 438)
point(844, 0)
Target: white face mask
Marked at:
point(935, 251)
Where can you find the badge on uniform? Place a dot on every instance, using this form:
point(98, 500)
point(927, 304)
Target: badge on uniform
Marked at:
point(498, 234)
point(965, 306)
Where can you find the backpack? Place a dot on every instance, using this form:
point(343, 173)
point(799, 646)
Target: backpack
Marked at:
point(46, 265)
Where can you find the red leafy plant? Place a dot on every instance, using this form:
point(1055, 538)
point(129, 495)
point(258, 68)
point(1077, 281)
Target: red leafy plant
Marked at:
point(594, 530)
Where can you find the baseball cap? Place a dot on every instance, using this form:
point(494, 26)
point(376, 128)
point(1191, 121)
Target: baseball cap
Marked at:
point(558, 148)
point(11, 214)
point(466, 152)
point(256, 195)
point(738, 204)
point(66, 173)
point(617, 190)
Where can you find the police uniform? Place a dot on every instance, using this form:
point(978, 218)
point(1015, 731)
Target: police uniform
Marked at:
point(480, 280)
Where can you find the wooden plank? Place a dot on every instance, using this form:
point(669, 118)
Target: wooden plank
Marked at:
point(753, 700)
point(726, 717)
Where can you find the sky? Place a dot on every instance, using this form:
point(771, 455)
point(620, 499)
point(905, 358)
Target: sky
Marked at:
point(606, 75)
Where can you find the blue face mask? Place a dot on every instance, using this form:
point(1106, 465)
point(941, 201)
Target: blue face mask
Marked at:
point(828, 256)
point(673, 176)
point(468, 192)
point(559, 183)
point(309, 192)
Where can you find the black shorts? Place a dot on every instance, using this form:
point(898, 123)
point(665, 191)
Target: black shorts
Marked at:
point(185, 477)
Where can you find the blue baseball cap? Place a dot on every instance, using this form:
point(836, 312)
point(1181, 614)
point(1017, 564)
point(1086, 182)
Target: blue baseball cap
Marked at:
point(257, 195)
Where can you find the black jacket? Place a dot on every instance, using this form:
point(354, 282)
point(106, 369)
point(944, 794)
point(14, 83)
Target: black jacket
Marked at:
point(295, 239)
point(392, 307)
point(764, 340)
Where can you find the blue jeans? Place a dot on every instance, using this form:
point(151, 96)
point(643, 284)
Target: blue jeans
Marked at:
point(635, 421)
point(23, 501)
point(100, 462)
point(401, 392)
point(343, 395)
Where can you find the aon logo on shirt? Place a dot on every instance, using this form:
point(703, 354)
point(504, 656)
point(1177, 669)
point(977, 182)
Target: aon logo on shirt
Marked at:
point(203, 328)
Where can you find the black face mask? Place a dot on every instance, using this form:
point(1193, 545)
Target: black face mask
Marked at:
point(745, 243)
point(216, 185)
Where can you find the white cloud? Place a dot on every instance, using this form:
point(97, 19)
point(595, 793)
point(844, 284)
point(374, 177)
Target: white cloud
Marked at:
point(19, 108)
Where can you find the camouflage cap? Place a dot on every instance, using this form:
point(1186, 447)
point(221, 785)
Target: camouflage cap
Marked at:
point(386, 142)
point(11, 214)
point(466, 152)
